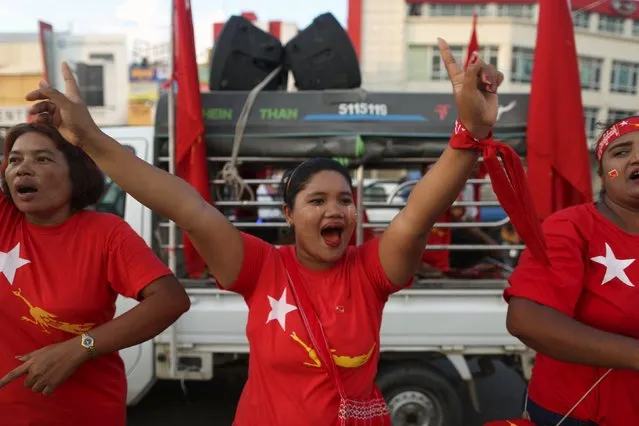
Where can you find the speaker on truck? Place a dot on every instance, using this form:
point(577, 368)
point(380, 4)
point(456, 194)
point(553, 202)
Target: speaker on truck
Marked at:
point(322, 57)
point(243, 55)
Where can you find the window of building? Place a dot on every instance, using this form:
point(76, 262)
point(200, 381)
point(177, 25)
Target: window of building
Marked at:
point(447, 9)
point(581, 19)
point(619, 114)
point(522, 64)
point(590, 72)
point(590, 117)
point(623, 78)
point(91, 83)
point(516, 10)
point(108, 57)
point(635, 28)
point(438, 70)
point(417, 57)
point(415, 9)
point(416, 61)
point(489, 54)
point(611, 24)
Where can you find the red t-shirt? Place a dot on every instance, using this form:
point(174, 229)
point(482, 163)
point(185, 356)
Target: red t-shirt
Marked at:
point(593, 278)
point(287, 385)
point(55, 283)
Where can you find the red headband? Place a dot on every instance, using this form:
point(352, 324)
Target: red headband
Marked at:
point(617, 130)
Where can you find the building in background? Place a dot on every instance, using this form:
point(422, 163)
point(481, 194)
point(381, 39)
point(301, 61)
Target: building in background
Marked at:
point(398, 47)
point(99, 63)
point(20, 72)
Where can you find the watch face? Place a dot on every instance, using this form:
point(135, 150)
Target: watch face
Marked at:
point(87, 341)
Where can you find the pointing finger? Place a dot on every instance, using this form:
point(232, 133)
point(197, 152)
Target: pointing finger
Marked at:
point(20, 370)
point(46, 92)
point(451, 65)
point(71, 86)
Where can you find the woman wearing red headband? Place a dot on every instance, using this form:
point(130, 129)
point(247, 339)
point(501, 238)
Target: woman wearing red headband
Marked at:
point(582, 314)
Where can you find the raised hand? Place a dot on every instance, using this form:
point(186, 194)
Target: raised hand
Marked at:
point(474, 90)
point(65, 111)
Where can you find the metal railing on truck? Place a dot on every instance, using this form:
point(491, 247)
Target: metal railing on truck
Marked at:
point(228, 205)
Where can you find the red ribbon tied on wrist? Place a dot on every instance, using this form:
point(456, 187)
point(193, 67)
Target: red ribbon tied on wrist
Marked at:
point(509, 184)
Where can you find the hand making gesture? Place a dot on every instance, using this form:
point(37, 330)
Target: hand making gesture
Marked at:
point(65, 111)
point(474, 90)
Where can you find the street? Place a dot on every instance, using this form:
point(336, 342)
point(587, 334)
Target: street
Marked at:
point(213, 403)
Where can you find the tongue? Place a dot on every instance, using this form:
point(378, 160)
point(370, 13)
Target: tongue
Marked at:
point(332, 238)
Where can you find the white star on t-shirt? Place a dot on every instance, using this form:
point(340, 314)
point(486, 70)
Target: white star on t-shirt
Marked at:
point(10, 261)
point(279, 310)
point(615, 268)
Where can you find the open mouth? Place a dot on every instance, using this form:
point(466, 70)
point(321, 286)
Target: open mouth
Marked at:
point(634, 175)
point(25, 189)
point(332, 235)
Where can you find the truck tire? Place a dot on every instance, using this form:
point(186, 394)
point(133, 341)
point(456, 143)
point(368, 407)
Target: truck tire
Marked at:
point(417, 396)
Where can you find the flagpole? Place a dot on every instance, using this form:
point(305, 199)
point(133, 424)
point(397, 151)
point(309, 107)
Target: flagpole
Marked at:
point(172, 228)
point(171, 127)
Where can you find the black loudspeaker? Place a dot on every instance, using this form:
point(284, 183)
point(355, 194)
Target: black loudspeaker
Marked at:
point(243, 56)
point(322, 57)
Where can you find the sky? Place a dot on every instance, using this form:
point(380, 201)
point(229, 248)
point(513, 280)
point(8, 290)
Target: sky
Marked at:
point(149, 20)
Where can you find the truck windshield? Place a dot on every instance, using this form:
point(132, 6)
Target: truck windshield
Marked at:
point(113, 200)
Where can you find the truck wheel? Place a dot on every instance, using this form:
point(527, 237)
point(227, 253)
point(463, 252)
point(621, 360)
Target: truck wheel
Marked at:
point(417, 396)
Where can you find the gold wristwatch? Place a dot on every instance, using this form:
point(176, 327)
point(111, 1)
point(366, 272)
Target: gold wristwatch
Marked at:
point(88, 342)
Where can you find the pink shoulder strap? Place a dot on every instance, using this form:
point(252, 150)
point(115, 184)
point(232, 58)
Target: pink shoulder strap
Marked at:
point(310, 318)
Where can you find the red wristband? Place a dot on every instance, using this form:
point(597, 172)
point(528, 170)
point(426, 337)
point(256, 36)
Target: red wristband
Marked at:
point(463, 139)
point(509, 184)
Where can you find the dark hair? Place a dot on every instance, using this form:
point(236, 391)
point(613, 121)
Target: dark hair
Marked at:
point(87, 180)
point(295, 180)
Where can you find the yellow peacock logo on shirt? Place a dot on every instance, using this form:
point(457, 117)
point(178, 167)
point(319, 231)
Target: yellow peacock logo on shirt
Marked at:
point(280, 308)
point(340, 360)
point(10, 262)
point(47, 320)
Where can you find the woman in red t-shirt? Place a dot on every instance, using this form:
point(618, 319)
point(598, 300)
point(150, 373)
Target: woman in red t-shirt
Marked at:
point(580, 314)
point(315, 308)
point(61, 270)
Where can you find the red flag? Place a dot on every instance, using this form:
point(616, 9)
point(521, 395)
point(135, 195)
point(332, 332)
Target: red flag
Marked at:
point(558, 160)
point(190, 150)
point(473, 44)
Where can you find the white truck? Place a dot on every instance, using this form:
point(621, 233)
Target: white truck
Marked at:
point(444, 319)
